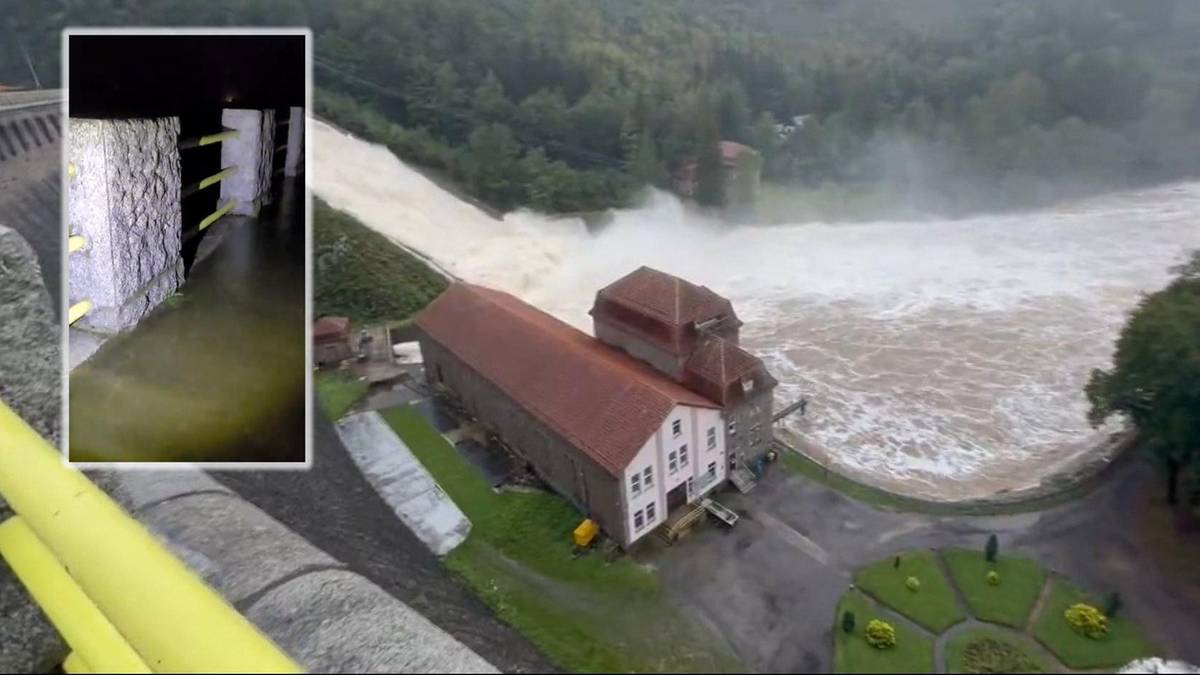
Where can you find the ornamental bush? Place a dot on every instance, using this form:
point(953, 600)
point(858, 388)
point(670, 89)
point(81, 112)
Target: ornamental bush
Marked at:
point(913, 584)
point(993, 578)
point(1087, 620)
point(880, 634)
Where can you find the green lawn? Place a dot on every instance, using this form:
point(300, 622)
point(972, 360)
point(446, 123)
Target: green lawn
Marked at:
point(1123, 643)
point(1009, 603)
point(987, 651)
point(337, 391)
point(518, 559)
point(913, 652)
point(933, 606)
point(361, 274)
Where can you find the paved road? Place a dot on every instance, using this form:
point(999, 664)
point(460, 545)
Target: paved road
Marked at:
point(770, 585)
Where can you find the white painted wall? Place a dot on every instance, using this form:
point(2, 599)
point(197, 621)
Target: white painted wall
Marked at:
point(655, 455)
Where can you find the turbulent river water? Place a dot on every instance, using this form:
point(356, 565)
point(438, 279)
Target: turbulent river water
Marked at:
point(942, 358)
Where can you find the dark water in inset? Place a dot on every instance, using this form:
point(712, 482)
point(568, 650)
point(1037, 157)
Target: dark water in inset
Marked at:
point(215, 373)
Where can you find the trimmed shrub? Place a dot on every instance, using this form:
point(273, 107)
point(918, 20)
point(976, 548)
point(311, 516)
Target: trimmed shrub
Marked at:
point(1087, 620)
point(848, 622)
point(992, 549)
point(993, 578)
point(880, 634)
point(913, 584)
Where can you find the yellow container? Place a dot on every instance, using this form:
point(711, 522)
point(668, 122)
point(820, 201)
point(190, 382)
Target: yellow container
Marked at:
point(586, 532)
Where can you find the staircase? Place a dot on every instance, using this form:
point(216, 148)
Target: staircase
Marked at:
point(742, 478)
point(679, 522)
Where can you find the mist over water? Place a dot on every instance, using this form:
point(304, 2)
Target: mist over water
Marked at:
point(943, 359)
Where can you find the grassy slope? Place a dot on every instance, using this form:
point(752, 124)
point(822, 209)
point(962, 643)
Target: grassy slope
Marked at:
point(337, 391)
point(518, 559)
point(1123, 643)
point(1012, 655)
point(933, 606)
point(1010, 602)
point(359, 273)
point(913, 652)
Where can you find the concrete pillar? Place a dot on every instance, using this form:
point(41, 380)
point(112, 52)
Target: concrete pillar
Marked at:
point(252, 152)
point(124, 200)
point(293, 162)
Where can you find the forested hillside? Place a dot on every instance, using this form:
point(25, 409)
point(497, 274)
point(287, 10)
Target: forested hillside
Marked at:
point(566, 106)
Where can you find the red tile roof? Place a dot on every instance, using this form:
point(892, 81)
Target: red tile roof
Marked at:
point(666, 297)
point(721, 361)
point(330, 328)
point(599, 399)
point(732, 150)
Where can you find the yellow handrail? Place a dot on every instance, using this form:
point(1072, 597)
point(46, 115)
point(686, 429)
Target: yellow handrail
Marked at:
point(212, 217)
point(174, 621)
point(77, 310)
point(75, 242)
point(81, 624)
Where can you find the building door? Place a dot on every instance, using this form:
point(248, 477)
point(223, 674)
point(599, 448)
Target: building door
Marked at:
point(677, 497)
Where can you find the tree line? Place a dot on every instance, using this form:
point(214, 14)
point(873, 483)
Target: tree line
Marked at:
point(567, 106)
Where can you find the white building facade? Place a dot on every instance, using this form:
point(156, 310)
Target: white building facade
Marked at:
point(679, 464)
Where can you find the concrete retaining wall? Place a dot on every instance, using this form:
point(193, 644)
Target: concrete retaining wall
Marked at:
point(125, 201)
point(400, 479)
point(293, 162)
point(252, 152)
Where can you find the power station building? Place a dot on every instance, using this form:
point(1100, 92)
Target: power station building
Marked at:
point(647, 417)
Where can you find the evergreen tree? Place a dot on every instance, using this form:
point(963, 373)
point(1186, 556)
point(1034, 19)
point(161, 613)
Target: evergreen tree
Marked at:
point(710, 172)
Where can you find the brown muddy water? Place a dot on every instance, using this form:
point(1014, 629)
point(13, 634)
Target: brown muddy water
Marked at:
point(942, 359)
point(216, 373)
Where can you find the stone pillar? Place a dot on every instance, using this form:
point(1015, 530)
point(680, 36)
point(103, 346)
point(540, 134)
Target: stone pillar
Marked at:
point(294, 160)
point(252, 152)
point(124, 200)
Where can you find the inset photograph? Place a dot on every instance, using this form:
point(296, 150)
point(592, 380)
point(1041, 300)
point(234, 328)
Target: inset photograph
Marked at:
point(186, 246)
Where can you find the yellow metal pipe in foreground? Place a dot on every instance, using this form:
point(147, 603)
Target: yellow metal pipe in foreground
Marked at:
point(174, 621)
point(81, 624)
point(71, 170)
point(75, 665)
point(218, 177)
point(212, 217)
point(77, 311)
point(75, 242)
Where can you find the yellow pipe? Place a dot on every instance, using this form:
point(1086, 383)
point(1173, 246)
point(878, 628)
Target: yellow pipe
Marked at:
point(74, 664)
point(81, 624)
point(75, 242)
point(174, 621)
point(218, 137)
point(217, 177)
point(212, 217)
point(71, 171)
point(77, 311)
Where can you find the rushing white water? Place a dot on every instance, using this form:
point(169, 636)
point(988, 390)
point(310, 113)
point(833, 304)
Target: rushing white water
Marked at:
point(941, 358)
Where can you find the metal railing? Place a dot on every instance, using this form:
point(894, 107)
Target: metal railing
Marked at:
point(119, 599)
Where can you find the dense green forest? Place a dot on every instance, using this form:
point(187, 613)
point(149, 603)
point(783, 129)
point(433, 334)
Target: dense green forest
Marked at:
point(941, 105)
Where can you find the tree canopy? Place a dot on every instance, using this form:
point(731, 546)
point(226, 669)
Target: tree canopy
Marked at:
point(1155, 378)
point(955, 105)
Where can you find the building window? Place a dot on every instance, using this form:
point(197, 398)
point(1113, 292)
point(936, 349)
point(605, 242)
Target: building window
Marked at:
point(733, 427)
point(638, 523)
point(748, 385)
point(712, 470)
point(648, 477)
point(673, 461)
point(677, 428)
point(635, 484)
point(712, 437)
point(650, 513)
point(683, 455)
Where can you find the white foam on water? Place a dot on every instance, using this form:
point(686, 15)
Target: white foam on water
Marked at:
point(942, 358)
